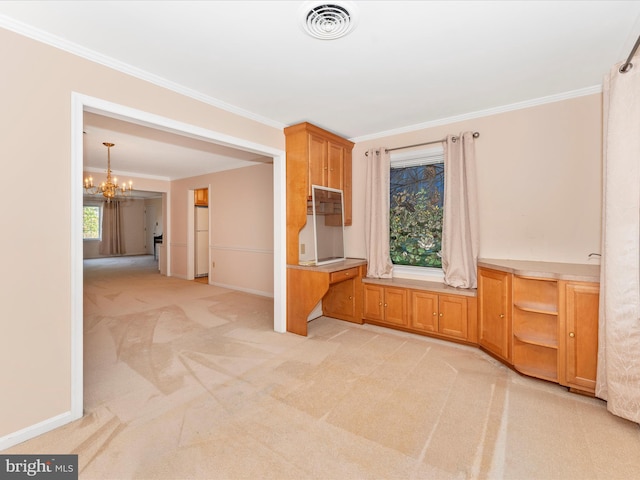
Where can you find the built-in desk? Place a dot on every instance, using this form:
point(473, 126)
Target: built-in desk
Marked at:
point(338, 285)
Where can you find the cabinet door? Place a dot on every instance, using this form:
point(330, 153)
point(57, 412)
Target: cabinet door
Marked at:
point(452, 314)
point(424, 311)
point(373, 302)
point(339, 302)
point(582, 303)
point(395, 306)
point(318, 166)
point(494, 298)
point(346, 186)
point(335, 161)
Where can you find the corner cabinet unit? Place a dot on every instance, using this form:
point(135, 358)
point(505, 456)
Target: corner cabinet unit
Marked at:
point(427, 308)
point(314, 157)
point(542, 319)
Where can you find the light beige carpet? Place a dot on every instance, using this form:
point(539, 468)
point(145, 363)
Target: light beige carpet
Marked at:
point(186, 381)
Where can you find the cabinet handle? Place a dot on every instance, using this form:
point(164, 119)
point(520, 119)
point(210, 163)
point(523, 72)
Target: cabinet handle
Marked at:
point(442, 314)
point(502, 315)
point(571, 334)
point(434, 314)
point(385, 304)
point(350, 297)
point(380, 304)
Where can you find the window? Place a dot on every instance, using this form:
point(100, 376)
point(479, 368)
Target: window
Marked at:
point(91, 222)
point(415, 217)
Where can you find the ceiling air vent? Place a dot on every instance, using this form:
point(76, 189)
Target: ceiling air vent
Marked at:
point(328, 21)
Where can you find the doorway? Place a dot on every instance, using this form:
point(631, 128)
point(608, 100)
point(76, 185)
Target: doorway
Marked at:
point(82, 103)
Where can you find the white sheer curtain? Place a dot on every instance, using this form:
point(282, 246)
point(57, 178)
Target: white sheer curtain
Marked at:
point(460, 223)
point(112, 241)
point(377, 214)
point(618, 377)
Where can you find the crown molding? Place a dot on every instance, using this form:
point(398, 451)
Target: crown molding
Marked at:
point(91, 55)
point(483, 113)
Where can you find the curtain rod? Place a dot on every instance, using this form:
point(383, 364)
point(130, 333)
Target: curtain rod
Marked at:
point(475, 135)
point(626, 66)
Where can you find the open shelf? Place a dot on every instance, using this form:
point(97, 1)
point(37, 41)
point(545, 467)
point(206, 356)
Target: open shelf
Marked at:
point(535, 360)
point(535, 295)
point(535, 327)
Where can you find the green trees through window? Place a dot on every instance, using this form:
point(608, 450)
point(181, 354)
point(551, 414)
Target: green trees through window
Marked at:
point(415, 218)
point(91, 222)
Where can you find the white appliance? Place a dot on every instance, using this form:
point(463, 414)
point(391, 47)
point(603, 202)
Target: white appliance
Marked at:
point(202, 241)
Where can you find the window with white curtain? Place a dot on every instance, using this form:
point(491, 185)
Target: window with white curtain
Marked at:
point(416, 208)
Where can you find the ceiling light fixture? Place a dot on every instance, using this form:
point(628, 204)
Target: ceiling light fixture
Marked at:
point(109, 188)
point(328, 21)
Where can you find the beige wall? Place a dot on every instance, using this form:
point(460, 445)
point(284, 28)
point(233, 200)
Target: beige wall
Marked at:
point(539, 180)
point(36, 86)
point(133, 223)
point(241, 225)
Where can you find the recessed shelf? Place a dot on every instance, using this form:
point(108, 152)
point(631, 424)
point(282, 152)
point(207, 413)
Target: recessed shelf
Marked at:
point(537, 308)
point(538, 340)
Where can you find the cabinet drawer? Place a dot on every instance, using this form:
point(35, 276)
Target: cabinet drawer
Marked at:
point(342, 275)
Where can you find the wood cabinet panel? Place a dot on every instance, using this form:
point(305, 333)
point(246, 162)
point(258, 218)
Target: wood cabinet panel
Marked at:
point(452, 316)
point(385, 305)
point(581, 336)
point(317, 161)
point(201, 197)
point(314, 157)
point(339, 301)
point(373, 301)
point(494, 312)
point(395, 306)
point(424, 311)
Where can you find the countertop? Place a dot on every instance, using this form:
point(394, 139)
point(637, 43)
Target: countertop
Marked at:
point(331, 267)
point(559, 271)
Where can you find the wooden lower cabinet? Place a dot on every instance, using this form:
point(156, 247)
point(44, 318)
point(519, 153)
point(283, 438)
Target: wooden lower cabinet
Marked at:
point(339, 301)
point(421, 311)
point(581, 335)
point(540, 324)
point(385, 305)
point(443, 314)
point(494, 312)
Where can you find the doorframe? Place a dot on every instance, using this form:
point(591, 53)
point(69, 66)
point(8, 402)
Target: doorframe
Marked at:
point(81, 103)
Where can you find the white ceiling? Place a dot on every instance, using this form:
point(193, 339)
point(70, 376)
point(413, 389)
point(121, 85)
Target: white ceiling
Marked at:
point(406, 64)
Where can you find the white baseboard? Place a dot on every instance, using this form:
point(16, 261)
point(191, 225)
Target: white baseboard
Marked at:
point(246, 290)
point(28, 433)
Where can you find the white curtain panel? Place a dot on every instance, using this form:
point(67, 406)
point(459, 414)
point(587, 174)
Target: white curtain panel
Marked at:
point(377, 214)
point(460, 238)
point(618, 377)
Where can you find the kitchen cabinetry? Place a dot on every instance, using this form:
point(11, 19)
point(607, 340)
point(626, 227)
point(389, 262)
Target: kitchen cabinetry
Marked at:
point(494, 312)
point(443, 314)
point(387, 305)
point(581, 335)
point(201, 197)
point(314, 157)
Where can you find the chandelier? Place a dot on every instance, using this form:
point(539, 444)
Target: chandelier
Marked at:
point(109, 188)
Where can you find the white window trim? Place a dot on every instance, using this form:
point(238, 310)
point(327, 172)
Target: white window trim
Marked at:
point(410, 159)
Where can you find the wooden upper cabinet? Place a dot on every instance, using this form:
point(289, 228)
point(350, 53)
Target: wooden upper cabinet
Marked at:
point(314, 157)
point(201, 197)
